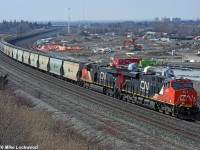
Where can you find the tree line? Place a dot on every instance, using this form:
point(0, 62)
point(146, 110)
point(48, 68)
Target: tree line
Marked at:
point(16, 27)
point(184, 28)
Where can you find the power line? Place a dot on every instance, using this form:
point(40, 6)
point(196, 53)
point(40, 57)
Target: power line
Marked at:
point(69, 20)
point(83, 10)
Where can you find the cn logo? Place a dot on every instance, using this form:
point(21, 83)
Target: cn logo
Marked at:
point(185, 97)
point(144, 85)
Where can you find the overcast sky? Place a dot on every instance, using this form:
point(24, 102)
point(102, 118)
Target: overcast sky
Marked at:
point(57, 10)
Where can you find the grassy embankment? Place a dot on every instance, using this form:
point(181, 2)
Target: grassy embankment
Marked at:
point(20, 125)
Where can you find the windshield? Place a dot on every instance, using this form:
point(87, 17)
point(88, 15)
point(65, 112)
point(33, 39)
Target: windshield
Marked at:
point(188, 85)
point(177, 86)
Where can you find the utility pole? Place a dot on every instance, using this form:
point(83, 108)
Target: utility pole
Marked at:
point(83, 10)
point(69, 21)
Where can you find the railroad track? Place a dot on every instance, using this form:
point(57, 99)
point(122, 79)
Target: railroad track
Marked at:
point(62, 85)
point(102, 121)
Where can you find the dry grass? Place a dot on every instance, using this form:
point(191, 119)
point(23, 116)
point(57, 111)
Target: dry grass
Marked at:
point(21, 125)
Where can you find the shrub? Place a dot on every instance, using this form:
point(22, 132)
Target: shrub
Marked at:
point(28, 126)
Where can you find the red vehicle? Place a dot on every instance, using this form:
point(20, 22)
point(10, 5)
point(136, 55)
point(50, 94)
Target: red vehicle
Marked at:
point(122, 62)
point(132, 43)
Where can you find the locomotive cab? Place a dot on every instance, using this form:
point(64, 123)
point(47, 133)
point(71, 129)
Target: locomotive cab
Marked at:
point(181, 94)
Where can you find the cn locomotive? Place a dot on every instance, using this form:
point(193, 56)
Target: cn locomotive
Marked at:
point(175, 97)
point(166, 94)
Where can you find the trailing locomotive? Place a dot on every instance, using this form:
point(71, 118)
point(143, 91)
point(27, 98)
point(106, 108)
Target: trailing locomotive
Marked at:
point(175, 97)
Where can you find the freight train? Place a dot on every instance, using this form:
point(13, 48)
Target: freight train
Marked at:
point(166, 94)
